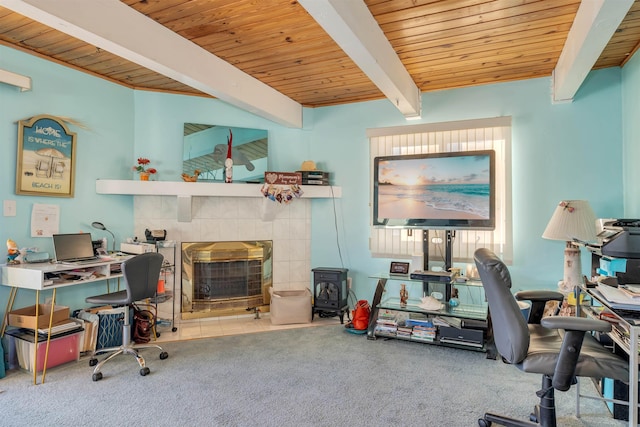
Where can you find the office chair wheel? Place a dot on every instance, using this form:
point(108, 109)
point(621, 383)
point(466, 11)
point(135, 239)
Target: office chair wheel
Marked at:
point(97, 376)
point(144, 371)
point(174, 329)
point(164, 355)
point(93, 362)
point(484, 423)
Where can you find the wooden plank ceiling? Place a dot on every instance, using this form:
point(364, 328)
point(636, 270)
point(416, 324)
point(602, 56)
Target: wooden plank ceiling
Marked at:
point(443, 44)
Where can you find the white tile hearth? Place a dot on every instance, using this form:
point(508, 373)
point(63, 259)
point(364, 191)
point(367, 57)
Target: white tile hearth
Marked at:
point(232, 325)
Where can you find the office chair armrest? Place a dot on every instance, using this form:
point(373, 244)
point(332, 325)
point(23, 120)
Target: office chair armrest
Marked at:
point(575, 324)
point(575, 330)
point(539, 295)
point(539, 299)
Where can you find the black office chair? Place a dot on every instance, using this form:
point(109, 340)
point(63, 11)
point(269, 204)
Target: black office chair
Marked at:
point(141, 275)
point(557, 347)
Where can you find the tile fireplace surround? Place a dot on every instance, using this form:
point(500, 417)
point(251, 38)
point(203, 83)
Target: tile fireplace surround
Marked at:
point(231, 219)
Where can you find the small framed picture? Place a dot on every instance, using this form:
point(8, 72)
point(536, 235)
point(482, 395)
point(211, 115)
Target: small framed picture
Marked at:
point(399, 267)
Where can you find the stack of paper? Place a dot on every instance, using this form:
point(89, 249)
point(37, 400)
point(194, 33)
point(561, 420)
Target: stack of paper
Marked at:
point(63, 326)
point(618, 298)
point(632, 291)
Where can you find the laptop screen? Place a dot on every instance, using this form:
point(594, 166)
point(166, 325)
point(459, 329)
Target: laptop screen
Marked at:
point(71, 247)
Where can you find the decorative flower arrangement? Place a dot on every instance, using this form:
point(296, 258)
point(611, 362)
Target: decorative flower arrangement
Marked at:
point(141, 167)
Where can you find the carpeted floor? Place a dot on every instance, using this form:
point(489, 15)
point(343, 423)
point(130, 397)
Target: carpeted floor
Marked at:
point(319, 376)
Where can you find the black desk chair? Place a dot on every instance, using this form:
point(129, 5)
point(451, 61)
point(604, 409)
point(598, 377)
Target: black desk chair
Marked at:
point(559, 348)
point(141, 274)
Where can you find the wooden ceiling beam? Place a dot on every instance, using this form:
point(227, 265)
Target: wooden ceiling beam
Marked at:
point(151, 45)
point(21, 82)
point(594, 25)
point(356, 31)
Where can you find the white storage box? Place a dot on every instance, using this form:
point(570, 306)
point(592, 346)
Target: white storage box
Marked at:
point(137, 248)
point(291, 306)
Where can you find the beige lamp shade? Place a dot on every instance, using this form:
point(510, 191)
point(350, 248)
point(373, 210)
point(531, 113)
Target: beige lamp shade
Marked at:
point(572, 219)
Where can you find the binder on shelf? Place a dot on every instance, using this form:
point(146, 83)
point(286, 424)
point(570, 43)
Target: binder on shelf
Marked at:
point(315, 182)
point(314, 174)
point(314, 177)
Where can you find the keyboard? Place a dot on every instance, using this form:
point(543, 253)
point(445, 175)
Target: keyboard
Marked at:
point(82, 261)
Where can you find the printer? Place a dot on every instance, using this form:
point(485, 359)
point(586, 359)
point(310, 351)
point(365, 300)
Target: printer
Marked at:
point(617, 253)
point(619, 238)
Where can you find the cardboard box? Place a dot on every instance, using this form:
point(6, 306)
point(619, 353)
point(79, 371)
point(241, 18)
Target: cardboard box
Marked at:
point(62, 349)
point(26, 317)
point(290, 306)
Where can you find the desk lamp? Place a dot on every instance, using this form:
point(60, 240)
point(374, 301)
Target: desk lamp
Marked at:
point(100, 226)
point(573, 220)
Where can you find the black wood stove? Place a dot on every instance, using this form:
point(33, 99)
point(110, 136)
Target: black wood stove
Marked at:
point(330, 291)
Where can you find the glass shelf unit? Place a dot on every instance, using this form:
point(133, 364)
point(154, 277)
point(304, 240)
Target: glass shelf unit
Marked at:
point(462, 326)
point(164, 301)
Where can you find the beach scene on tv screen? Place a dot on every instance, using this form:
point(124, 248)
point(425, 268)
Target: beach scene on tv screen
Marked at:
point(435, 188)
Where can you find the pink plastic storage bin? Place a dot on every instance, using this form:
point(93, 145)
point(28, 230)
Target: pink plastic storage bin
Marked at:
point(62, 349)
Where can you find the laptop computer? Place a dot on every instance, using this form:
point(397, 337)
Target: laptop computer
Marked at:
point(74, 249)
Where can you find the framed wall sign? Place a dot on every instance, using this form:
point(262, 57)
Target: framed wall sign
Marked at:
point(399, 267)
point(46, 158)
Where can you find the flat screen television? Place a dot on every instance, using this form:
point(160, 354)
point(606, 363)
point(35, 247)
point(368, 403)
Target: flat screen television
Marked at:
point(452, 191)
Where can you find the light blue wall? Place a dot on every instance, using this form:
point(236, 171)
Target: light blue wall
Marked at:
point(159, 129)
point(103, 150)
point(631, 136)
point(554, 150)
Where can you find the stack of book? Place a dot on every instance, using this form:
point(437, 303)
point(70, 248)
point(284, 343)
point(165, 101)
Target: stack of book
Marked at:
point(314, 177)
point(404, 332)
point(423, 329)
point(424, 333)
point(386, 325)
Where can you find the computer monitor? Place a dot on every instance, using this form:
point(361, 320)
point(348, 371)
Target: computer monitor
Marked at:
point(72, 247)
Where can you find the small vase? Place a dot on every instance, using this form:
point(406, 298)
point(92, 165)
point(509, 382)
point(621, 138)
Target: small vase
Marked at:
point(404, 295)
point(144, 176)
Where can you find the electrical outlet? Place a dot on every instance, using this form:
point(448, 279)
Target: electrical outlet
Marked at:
point(9, 208)
point(348, 282)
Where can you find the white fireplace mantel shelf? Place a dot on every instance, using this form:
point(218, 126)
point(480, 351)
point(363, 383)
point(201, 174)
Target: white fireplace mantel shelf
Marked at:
point(185, 190)
point(210, 189)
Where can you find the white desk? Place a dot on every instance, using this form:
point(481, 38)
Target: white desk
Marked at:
point(39, 277)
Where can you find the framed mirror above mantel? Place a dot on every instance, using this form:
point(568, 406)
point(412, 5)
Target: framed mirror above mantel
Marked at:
point(205, 150)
